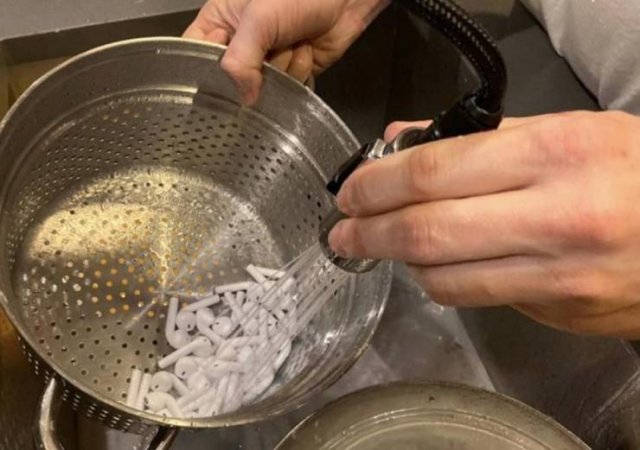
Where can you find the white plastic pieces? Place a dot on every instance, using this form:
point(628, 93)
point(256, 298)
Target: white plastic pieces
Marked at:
point(218, 341)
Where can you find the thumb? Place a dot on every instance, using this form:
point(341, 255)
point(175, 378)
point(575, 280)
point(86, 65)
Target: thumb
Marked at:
point(255, 36)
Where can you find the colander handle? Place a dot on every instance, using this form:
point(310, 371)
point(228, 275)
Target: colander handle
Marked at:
point(45, 427)
point(45, 433)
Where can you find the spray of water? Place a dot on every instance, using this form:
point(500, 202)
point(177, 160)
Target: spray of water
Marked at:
point(316, 279)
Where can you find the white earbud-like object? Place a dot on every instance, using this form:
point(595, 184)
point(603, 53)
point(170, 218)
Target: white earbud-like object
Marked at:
point(204, 319)
point(179, 338)
point(134, 385)
point(256, 274)
point(248, 324)
point(271, 273)
point(205, 350)
point(204, 303)
point(175, 338)
point(157, 401)
point(246, 355)
point(145, 383)
point(165, 381)
point(222, 326)
point(227, 353)
point(234, 287)
point(161, 382)
point(190, 397)
point(219, 368)
point(198, 381)
point(272, 325)
point(188, 349)
point(186, 320)
point(255, 293)
point(194, 403)
point(186, 367)
point(231, 398)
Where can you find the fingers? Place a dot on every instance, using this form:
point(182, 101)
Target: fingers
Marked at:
point(622, 322)
point(495, 282)
point(446, 232)
point(198, 29)
point(394, 128)
point(479, 164)
point(301, 64)
point(538, 288)
point(218, 36)
point(553, 289)
point(281, 59)
point(297, 62)
point(194, 31)
point(243, 59)
point(209, 25)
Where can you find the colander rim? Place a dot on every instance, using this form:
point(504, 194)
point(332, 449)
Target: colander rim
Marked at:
point(231, 419)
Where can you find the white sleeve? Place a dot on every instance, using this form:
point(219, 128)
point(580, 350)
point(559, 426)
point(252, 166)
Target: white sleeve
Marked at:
point(601, 41)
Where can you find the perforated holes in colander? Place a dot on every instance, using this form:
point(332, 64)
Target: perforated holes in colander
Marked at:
point(108, 192)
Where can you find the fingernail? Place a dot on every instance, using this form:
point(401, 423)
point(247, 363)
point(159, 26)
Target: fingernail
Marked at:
point(344, 200)
point(247, 95)
point(336, 239)
point(250, 97)
point(247, 91)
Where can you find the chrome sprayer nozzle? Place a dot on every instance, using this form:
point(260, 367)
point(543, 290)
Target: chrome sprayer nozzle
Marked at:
point(349, 265)
point(375, 150)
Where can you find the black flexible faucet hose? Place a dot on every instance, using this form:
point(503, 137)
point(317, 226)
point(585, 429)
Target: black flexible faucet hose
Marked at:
point(480, 110)
point(473, 41)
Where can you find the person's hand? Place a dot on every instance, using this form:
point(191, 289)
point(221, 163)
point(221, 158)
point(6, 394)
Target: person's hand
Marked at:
point(299, 37)
point(542, 215)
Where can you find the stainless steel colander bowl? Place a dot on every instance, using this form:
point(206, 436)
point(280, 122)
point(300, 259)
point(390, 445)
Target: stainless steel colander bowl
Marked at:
point(130, 172)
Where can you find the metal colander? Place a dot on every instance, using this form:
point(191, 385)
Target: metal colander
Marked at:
point(130, 173)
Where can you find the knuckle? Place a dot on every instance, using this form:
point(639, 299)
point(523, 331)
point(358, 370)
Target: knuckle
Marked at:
point(596, 226)
point(231, 65)
point(442, 297)
point(435, 288)
point(358, 195)
point(359, 243)
point(354, 238)
point(559, 138)
point(576, 137)
point(423, 167)
point(302, 58)
point(417, 237)
point(580, 286)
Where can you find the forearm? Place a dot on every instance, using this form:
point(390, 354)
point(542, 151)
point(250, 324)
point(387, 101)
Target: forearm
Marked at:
point(600, 40)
